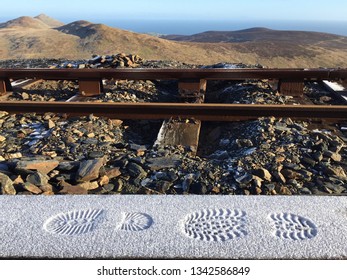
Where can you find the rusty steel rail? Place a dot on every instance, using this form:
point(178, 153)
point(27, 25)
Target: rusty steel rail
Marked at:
point(175, 74)
point(203, 112)
point(291, 81)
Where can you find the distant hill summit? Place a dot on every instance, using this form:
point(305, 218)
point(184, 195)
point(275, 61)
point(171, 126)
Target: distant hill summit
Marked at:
point(41, 21)
point(80, 28)
point(51, 22)
point(24, 22)
point(255, 34)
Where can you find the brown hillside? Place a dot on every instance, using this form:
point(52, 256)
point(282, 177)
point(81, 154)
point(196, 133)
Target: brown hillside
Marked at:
point(258, 35)
point(51, 22)
point(79, 28)
point(24, 22)
point(81, 39)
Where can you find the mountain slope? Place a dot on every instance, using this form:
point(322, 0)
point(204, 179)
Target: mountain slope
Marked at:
point(81, 39)
point(256, 35)
point(79, 28)
point(32, 38)
point(99, 38)
point(24, 22)
point(51, 22)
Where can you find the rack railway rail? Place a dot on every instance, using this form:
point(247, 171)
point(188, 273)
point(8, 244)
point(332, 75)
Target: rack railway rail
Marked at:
point(204, 112)
point(290, 82)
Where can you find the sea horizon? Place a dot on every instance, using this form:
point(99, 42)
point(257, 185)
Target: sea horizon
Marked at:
point(193, 26)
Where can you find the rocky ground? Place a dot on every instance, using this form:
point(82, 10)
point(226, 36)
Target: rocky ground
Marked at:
point(54, 154)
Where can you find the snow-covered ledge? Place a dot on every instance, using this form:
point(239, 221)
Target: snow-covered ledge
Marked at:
point(237, 227)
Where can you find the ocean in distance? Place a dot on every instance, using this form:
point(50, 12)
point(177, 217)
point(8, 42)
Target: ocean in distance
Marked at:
point(189, 27)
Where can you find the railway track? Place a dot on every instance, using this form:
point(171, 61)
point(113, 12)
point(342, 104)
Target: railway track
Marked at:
point(204, 112)
point(290, 81)
point(181, 121)
point(192, 87)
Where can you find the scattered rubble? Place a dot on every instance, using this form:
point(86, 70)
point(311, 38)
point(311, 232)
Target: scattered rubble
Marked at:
point(320, 96)
point(45, 91)
point(266, 156)
point(250, 92)
point(138, 91)
point(104, 61)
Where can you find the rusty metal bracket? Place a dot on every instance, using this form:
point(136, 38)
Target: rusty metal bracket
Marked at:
point(2, 87)
point(184, 132)
point(90, 87)
point(179, 132)
point(192, 90)
point(291, 87)
point(274, 84)
point(192, 84)
point(5, 85)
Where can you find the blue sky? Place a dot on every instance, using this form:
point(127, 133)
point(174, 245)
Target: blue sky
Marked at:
point(98, 10)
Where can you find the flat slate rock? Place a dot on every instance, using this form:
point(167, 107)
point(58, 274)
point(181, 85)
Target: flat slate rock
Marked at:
point(163, 162)
point(44, 166)
point(89, 170)
point(6, 185)
point(207, 227)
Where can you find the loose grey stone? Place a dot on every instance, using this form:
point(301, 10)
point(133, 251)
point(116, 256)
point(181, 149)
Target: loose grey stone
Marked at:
point(197, 188)
point(163, 162)
point(68, 166)
point(25, 96)
point(137, 160)
point(95, 154)
point(244, 143)
point(278, 175)
point(136, 147)
point(263, 174)
point(136, 171)
point(219, 155)
point(44, 166)
point(305, 191)
point(38, 179)
point(89, 170)
point(337, 171)
point(257, 181)
point(65, 177)
point(224, 142)
point(3, 167)
point(161, 176)
point(307, 174)
point(6, 185)
point(188, 180)
point(92, 141)
point(172, 176)
point(334, 156)
point(281, 128)
point(51, 124)
point(32, 188)
point(308, 161)
point(290, 174)
point(108, 187)
point(244, 179)
point(335, 188)
point(318, 156)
